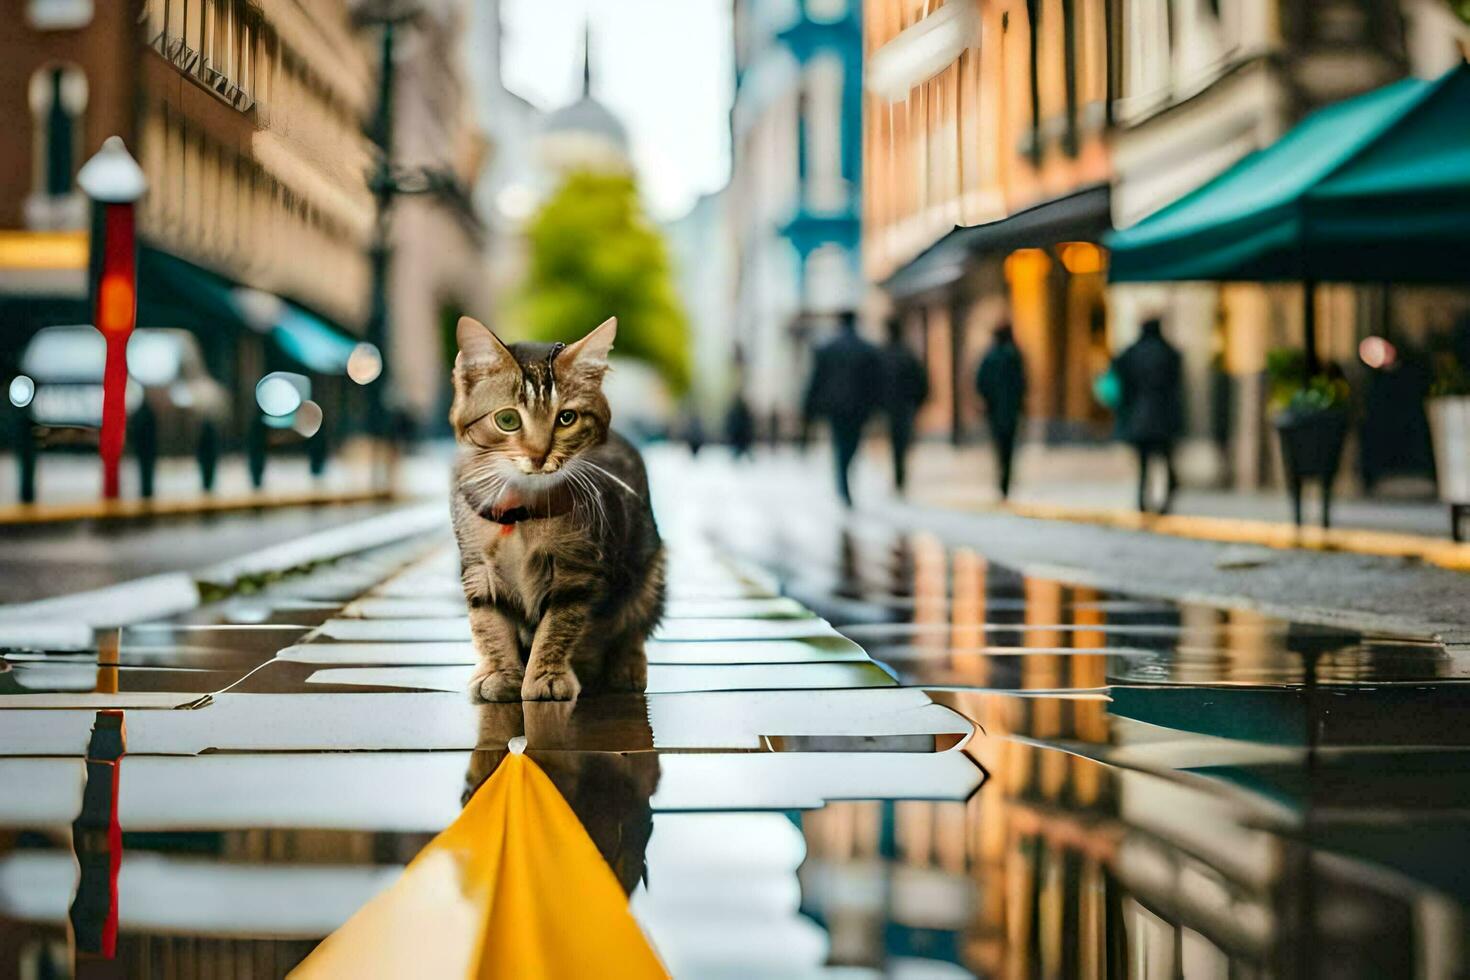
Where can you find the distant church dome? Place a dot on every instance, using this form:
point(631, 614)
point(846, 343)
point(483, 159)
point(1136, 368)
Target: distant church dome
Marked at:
point(585, 135)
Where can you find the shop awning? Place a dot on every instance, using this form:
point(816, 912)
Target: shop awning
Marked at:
point(1082, 216)
point(1372, 189)
point(311, 341)
point(177, 293)
point(173, 292)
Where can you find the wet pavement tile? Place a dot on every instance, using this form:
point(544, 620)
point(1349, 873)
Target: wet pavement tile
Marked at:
point(662, 678)
point(971, 771)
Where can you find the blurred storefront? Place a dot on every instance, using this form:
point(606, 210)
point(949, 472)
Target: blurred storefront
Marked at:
point(1004, 139)
point(1204, 85)
point(794, 189)
point(986, 191)
point(248, 121)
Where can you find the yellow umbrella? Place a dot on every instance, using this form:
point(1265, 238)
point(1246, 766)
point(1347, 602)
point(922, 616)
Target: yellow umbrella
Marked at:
point(513, 888)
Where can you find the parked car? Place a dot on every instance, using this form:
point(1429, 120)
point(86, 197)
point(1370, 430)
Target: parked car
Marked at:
point(174, 406)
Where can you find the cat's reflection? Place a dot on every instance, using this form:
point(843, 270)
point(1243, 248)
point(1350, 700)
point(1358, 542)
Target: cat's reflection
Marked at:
point(598, 753)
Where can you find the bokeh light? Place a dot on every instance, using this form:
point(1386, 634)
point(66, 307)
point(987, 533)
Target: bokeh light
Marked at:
point(277, 395)
point(22, 390)
point(308, 419)
point(1377, 353)
point(364, 364)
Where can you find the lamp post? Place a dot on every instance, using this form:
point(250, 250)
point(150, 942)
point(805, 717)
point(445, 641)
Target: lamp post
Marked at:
point(387, 182)
point(114, 182)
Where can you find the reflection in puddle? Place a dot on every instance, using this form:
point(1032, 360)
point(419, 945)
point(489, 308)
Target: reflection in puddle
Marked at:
point(1172, 789)
point(1027, 778)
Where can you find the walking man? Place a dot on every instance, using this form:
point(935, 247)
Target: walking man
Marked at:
point(845, 388)
point(739, 426)
point(1001, 382)
point(905, 387)
point(1151, 405)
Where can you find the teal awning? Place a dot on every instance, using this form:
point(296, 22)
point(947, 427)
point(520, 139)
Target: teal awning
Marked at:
point(175, 293)
point(1372, 189)
point(310, 341)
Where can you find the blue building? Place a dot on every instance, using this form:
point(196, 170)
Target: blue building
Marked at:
point(796, 137)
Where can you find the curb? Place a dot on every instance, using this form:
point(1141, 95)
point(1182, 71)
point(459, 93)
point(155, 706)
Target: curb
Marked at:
point(172, 593)
point(1270, 534)
point(12, 515)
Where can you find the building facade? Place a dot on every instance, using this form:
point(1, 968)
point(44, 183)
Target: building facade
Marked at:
point(1203, 85)
point(1004, 139)
point(702, 248)
point(248, 122)
point(438, 240)
point(794, 195)
point(986, 190)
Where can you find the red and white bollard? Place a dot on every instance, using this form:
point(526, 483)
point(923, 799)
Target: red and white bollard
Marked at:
point(114, 182)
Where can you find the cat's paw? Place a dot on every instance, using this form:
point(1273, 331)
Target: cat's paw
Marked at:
point(496, 685)
point(559, 684)
point(629, 673)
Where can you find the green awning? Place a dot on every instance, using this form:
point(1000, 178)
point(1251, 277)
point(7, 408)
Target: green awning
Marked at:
point(1372, 189)
point(175, 293)
point(312, 342)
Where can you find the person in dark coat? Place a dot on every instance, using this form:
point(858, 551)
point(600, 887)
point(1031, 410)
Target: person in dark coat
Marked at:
point(1001, 382)
point(1151, 405)
point(739, 426)
point(905, 387)
point(845, 389)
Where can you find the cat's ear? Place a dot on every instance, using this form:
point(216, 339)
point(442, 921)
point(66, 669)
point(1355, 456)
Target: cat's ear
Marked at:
point(478, 346)
point(592, 350)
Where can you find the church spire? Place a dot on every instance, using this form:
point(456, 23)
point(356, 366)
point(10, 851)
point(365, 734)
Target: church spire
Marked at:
point(587, 59)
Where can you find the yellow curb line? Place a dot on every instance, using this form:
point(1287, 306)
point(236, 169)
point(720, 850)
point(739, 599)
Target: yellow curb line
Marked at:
point(1271, 534)
point(92, 510)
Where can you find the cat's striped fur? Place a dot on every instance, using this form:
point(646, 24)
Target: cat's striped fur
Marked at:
point(561, 560)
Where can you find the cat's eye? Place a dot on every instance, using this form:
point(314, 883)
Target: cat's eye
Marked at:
point(566, 418)
point(508, 419)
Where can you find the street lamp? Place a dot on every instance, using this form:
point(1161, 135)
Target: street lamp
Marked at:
point(387, 182)
point(114, 182)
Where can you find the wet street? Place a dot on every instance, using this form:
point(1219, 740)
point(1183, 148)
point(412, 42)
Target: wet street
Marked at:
point(863, 751)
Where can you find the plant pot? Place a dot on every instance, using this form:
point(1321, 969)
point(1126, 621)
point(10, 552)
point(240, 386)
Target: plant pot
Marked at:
point(1311, 443)
point(1449, 427)
point(1311, 449)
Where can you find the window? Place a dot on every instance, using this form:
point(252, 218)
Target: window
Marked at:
point(58, 98)
point(58, 15)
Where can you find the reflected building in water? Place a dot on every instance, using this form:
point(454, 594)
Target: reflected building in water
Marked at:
point(1171, 791)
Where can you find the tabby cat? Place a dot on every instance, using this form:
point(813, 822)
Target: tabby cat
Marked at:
point(561, 561)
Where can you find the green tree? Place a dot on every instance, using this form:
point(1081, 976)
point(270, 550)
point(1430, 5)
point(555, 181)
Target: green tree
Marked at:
point(1461, 8)
point(593, 254)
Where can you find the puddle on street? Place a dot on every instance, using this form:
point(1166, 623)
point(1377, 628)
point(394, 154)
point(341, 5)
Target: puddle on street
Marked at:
point(1027, 778)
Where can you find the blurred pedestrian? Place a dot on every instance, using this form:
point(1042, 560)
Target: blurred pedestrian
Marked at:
point(1001, 382)
point(905, 387)
point(739, 426)
point(845, 389)
point(693, 430)
point(1151, 405)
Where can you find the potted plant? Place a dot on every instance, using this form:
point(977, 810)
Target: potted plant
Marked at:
point(1310, 412)
point(1449, 428)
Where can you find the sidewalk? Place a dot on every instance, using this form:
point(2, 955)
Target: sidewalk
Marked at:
point(1369, 580)
point(1105, 478)
point(326, 735)
point(69, 487)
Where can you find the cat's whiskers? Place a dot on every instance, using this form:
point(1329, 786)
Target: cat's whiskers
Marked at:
point(583, 488)
point(609, 475)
